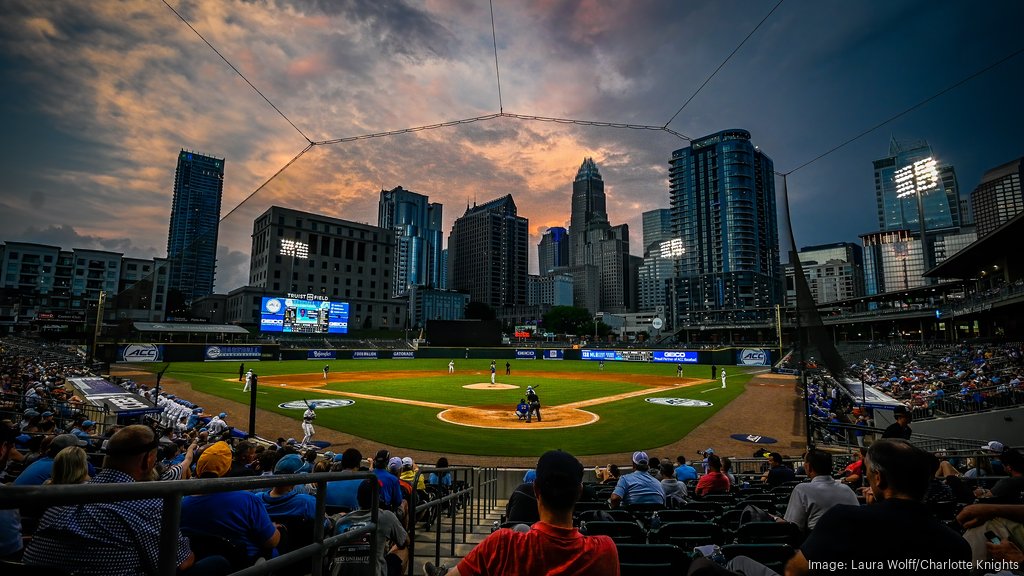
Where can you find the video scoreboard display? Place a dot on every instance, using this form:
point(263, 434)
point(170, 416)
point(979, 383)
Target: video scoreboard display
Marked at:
point(297, 316)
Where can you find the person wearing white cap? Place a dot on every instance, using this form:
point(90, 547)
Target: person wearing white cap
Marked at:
point(408, 474)
point(637, 487)
point(307, 423)
point(217, 425)
point(248, 381)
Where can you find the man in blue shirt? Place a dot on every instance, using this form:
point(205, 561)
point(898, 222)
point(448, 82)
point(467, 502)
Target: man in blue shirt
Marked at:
point(39, 471)
point(84, 431)
point(390, 490)
point(344, 492)
point(684, 471)
point(287, 500)
point(637, 487)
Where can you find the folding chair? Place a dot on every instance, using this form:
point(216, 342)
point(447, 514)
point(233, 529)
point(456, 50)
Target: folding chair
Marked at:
point(620, 532)
point(649, 559)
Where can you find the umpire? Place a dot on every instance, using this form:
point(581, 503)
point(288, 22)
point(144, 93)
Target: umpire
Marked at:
point(534, 401)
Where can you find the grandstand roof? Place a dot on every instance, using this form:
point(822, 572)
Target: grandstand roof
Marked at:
point(994, 252)
point(190, 328)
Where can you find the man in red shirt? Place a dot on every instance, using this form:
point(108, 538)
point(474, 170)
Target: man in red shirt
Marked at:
point(714, 482)
point(552, 546)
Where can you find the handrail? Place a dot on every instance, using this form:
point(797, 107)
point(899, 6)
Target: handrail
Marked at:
point(415, 508)
point(172, 492)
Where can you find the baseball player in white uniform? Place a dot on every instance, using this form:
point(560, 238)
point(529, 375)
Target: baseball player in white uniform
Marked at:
point(307, 423)
point(248, 381)
point(723, 377)
point(217, 425)
point(451, 366)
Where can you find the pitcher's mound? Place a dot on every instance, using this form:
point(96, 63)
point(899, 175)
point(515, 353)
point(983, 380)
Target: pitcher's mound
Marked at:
point(504, 417)
point(489, 386)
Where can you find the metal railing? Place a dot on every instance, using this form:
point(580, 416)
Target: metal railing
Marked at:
point(14, 406)
point(172, 492)
point(477, 495)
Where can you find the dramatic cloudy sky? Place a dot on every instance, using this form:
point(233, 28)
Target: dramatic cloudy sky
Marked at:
point(97, 98)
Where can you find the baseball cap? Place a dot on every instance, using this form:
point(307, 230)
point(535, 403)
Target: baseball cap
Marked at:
point(88, 424)
point(222, 415)
point(289, 464)
point(994, 446)
point(215, 460)
point(338, 457)
point(395, 464)
point(640, 457)
point(62, 441)
point(380, 460)
point(47, 414)
point(559, 468)
point(709, 451)
point(407, 461)
point(530, 476)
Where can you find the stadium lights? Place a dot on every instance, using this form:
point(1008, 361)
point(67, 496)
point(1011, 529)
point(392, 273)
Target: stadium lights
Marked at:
point(294, 248)
point(920, 176)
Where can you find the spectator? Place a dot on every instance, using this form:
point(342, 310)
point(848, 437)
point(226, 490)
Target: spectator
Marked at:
point(390, 491)
point(779, 473)
point(242, 460)
point(1005, 521)
point(901, 427)
point(343, 493)
point(289, 500)
point(901, 527)
point(522, 503)
point(238, 516)
point(727, 470)
point(116, 538)
point(675, 491)
point(1007, 490)
point(552, 545)
point(443, 480)
point(654, 468)
point(39, 471)
point(608, 475)
point(409, 470)
point(309, 461)
point(854, 475)
point(685, 472)
point(70, 466)
point(85, 431)
point(714, 482)
point(389, 530)
point(810, 500)
point(637, 487)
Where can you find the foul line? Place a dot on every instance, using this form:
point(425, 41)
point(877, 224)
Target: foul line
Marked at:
point(380, 398)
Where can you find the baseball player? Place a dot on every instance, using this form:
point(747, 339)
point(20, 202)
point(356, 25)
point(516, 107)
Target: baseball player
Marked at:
point(248, 381)
point(307, 423)
point(534, 401)
point(492, 372)
point(327, 369)
point(217, 425)
point(451, 366)
point(723, 378)
point(679, 370)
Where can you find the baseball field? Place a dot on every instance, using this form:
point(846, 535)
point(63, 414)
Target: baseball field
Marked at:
point(417, 404)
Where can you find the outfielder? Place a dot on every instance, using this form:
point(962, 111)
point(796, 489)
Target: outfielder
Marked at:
point(307, 423)
point(451, 366)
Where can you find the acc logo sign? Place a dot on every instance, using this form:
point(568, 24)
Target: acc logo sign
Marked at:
point(685, 402)
point(273, 305)
point(320, 403)
point(213, 352)
point(753, 357)
point(141, 353)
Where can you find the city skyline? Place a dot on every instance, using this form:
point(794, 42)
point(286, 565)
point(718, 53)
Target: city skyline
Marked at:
point(102, 97)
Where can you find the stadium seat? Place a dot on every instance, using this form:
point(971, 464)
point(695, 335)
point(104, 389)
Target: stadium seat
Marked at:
point(943, 510)
point(753, 489)
point(774, 556)
point(723, 499)
point(650, 559)
point(620, 532)
point(11, 568)
point(688, 535)
point(711, 509)
point(616, 515)
point(204, 545)
point(684, 515)
point(297, 532)
point(585, 506)
point(769, 533)
point(730, 520)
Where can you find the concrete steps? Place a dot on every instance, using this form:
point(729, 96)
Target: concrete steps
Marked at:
point(426, 541)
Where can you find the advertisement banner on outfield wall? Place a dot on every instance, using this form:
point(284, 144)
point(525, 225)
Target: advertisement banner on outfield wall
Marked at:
point(675, 356)
point(321, 354)
point(753, 357)
point(223, 353)
point(403, 355)
point(599, 355)
point(526, 354)
point(140, 353)
point(553, 355)
point(364, 355)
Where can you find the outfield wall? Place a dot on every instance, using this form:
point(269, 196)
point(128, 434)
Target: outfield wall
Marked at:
point(192, 352)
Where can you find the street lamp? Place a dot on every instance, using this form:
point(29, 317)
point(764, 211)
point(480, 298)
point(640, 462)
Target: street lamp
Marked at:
point(918, 178)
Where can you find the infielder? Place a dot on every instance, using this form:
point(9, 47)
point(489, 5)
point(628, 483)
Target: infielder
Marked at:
point(307, 423)
point(723, 378)
point(327, 369)
point(492, 372)
point(451, 366)
point(248, 381)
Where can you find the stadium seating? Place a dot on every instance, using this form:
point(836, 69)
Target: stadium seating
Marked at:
point(620, 532)
point(651, 559)
point(688, 535)
point(774, 556)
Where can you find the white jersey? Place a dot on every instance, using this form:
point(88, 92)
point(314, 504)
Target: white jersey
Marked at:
point(309, 415)
point(216, 426)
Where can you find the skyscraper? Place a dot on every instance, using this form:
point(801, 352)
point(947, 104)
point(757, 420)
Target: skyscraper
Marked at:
point(722, 191)
point(657, 228)
point(417, 226)
point(598, 252)
point(999, 197)
point(487, 254)
point(195, 215)
point(553, 250)
point(941, 203)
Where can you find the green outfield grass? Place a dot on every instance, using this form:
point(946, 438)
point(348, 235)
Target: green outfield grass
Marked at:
point(624, 425)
